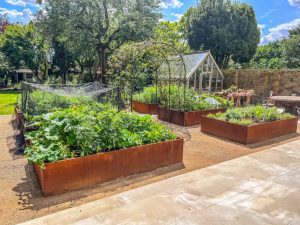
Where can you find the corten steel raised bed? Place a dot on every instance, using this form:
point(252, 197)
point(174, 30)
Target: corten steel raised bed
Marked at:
point(248, 134)
point(144, 108)
point(184, 118)
point(81, 172)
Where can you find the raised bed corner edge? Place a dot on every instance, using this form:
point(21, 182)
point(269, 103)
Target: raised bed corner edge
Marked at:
point(144, 108)
point(185, 118)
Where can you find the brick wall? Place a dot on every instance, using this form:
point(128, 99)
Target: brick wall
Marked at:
point(282, 82)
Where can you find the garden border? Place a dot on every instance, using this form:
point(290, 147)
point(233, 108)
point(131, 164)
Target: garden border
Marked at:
point(185, 118)
point(144, 108)
point(248, 134)
point(81, 172)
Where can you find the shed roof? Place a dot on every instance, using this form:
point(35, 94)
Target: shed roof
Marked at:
point(24, 71)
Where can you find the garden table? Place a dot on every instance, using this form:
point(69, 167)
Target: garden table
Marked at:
point(290, 103)
point(237, 96)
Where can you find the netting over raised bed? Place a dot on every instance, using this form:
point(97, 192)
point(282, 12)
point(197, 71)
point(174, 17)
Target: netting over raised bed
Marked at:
point(85, 90)
point(94, 91)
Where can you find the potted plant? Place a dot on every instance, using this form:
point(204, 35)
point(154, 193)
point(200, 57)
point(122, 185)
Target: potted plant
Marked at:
point(250, 124)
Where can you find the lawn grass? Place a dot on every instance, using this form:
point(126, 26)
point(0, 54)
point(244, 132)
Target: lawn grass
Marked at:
point(8, 99)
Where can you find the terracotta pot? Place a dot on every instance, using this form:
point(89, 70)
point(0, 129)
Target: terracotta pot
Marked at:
point(81, 172)
point(184, 118)
point(144, 108)
point(248, 134)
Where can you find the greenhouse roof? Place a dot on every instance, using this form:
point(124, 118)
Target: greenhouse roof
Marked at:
point(191, 62)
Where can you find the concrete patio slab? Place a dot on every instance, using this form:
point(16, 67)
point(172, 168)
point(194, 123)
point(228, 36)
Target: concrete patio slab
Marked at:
point(261, 188)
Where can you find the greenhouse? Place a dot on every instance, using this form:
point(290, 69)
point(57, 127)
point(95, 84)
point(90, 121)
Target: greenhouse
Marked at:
point(198, 70)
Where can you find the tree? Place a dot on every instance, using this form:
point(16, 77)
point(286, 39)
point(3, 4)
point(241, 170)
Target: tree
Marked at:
point(107, 23)
point(269, 56)
point(173, 33)
point(23, 47)
point(228, 29)
point(3, 23)
point(292, 49)
point(5, 66)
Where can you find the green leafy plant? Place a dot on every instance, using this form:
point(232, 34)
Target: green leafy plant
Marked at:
point(251, 115)
point(191, 101)
point(85, 130)
point(42, 102)
point(150, 95)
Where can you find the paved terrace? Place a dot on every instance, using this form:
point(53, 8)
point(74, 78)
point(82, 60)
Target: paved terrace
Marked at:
point(261, 188)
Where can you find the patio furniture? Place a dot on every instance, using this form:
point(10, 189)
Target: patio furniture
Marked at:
point(297, 111)
point(288, 102)
point(237, 97)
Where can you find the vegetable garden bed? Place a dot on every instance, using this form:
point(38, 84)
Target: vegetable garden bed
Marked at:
point(145, 108)
point(184, 118)
point(81, 172)
point(248, 134)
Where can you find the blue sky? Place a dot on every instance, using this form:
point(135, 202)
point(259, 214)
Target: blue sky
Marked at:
point(275, 17)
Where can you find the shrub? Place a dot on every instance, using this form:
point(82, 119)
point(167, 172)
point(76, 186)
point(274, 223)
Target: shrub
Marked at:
point(251, 115)
point(86, 130)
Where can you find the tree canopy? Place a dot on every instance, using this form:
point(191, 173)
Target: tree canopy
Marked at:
point(228, 29)
point(103, 25)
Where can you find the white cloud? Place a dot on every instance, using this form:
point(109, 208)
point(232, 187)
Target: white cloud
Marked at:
point(177, 15)
point(261, 27)
point(295, 3)
point(22, 3)
point(171, 4)
point(17, 16)
point(279, 32)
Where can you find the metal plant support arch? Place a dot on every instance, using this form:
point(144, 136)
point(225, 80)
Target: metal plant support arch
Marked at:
point(163, 47)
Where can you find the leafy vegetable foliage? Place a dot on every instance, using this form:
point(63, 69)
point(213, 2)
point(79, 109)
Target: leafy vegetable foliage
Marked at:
point(192, 101)
point(251, 115)
point(86, 130)
point(41, 102)
point(150, 95)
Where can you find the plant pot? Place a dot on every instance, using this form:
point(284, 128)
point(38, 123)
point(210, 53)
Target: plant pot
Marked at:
point(184, 118)
point(81, 172)
point(145, 108)
point(248, 134)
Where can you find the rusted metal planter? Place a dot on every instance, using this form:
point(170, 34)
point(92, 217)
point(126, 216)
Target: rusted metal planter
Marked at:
point(248, 134)
point(81, 172)
point(144, 108)
point(184, 118)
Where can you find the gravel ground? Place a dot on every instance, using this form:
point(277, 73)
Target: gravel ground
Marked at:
point(21, 198)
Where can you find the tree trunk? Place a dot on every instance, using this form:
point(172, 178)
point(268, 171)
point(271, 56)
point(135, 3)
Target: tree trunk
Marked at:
point(103, 65)
point(64, 77)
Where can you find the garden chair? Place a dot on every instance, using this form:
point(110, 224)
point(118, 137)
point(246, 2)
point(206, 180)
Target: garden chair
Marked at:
point(297, 111)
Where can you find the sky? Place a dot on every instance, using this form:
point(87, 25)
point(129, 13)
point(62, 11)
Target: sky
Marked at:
point(275, 17)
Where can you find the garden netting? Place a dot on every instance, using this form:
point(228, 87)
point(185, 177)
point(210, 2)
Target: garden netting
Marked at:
point(85, 90)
